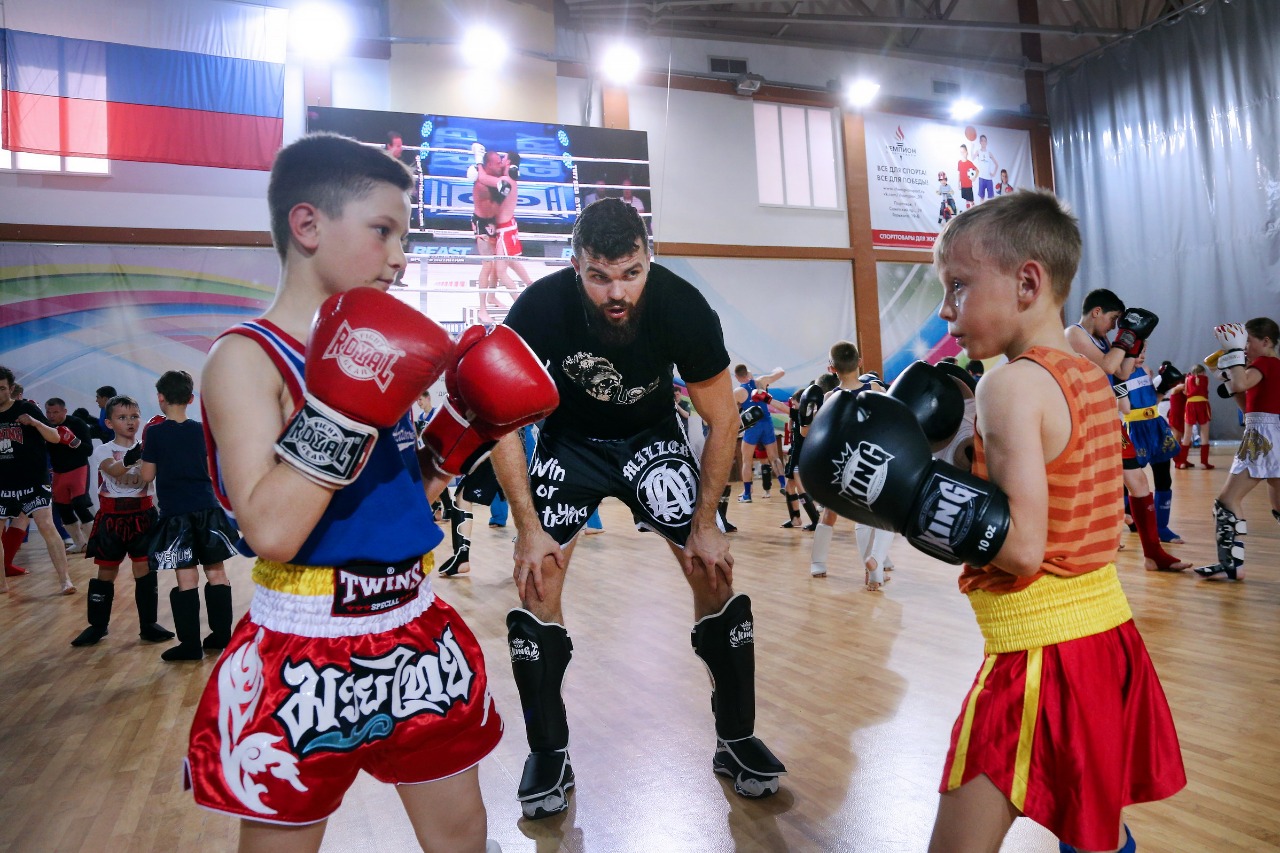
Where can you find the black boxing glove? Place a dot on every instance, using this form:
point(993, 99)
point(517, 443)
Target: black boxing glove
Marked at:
point(810, 401)
point(1170, 377)
point(867, 459)
point(513, 172)
point(933, 398)
point(1134, 328)
point(750, 416)
point(132, 455)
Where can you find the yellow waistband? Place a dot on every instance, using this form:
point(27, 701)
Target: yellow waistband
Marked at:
point(307, 580)
point(1197, 399)
point(1052, 610)
point(1146, 413)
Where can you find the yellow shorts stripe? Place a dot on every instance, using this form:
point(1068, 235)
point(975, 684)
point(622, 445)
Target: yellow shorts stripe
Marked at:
point(966, 728)
point(1027, 733)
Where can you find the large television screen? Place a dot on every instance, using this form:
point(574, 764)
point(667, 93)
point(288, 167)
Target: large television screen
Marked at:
point(494, 202)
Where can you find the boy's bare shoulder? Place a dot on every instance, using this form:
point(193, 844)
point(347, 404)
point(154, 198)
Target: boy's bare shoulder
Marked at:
point(237, 365)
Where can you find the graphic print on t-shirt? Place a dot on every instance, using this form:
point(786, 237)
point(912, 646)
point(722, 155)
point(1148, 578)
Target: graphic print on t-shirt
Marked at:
point(600, 379)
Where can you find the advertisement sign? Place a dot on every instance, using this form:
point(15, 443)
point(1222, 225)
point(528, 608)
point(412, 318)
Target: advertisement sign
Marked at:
point(922, 172)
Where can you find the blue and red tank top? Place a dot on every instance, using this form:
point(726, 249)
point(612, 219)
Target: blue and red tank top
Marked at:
point(384, 515)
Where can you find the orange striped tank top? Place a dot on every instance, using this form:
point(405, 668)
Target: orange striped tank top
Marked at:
point(1085, 481)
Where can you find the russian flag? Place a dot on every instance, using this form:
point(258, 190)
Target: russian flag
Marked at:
point(84, 98)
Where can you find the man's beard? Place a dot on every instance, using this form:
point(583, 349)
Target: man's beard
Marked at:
point(612, 332)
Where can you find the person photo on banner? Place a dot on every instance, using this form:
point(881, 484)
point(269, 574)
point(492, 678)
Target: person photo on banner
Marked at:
point(987, 168)
point(947, 206)
point(1003, 187)
point(968, 171)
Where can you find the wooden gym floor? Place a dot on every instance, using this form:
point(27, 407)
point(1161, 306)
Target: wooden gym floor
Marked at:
point(856, 693)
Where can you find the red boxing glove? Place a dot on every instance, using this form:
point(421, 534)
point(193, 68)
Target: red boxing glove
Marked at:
point(67, 437)
point(761, 396)
point(496, 386)
point(369, 356)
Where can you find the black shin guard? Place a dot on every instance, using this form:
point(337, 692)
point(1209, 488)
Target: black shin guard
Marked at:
point(793, 509)
point(101, 595)
point(809, 509)
point(726, 644)
point(146, 595)
point(217, 608)
point(1229, 530)
point(722, 508)
point(185, 604)
point(766, 477)
point(540, 654)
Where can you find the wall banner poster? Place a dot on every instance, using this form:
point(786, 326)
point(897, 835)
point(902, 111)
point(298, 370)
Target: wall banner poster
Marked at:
point(922, 172)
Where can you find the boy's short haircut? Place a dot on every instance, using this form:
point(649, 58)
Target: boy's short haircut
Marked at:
point(6, 375)
point(1008, 230)
point(119, 400)
point(1104, 299)
point(1264, 327)
point(176, 386)
point(827, 382)
point(740, 370)
point(326, 170)
point(1198, 369)
point(55, 401)
point(845, 357)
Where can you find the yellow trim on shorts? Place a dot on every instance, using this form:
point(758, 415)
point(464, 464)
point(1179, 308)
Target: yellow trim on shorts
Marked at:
point(966, 728)
point(295, 579)
point(1197, 399)
point(1052, 610)
point(1027, 732)
point(1146, 413)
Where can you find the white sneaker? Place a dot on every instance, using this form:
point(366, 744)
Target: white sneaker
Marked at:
point(818, 570)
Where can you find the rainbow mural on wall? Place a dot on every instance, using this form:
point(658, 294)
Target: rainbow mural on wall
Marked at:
point(73, 317)
point(910, 328)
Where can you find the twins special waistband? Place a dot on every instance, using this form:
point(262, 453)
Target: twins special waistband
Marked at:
point(340, 601)
point(1146, 413)
point(107, 504)
point(1052, 610)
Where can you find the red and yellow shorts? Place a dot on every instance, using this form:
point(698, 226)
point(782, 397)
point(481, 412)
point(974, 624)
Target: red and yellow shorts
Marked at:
point(303, 698)
point(508, 240)
point(1073, 731)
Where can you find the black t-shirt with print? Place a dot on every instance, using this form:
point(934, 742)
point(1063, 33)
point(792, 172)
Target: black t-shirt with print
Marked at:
point(24, 454)
point(611, 392)
point(64, 458)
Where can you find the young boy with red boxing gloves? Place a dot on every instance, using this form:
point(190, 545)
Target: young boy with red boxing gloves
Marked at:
point(1066, 722)
point(346, 659)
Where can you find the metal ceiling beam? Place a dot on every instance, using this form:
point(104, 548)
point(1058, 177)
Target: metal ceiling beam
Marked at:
point(599, 14)
point(665, 30)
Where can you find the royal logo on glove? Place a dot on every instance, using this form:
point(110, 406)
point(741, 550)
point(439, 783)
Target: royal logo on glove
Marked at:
point(861, 472)
point(364, 354)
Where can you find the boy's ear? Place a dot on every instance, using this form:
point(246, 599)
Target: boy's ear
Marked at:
point(304, 221)
point(1033, 282)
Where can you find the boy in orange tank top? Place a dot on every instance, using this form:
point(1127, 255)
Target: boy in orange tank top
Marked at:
point(1066, 686)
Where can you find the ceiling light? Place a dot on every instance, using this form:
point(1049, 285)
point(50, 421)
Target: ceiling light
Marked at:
point(862, 92)
point(965, 109)
point(319, 30)
point(621, 64)
point(483, 46)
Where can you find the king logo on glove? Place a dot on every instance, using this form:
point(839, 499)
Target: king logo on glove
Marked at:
point(862, 472)
point(364, 354)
